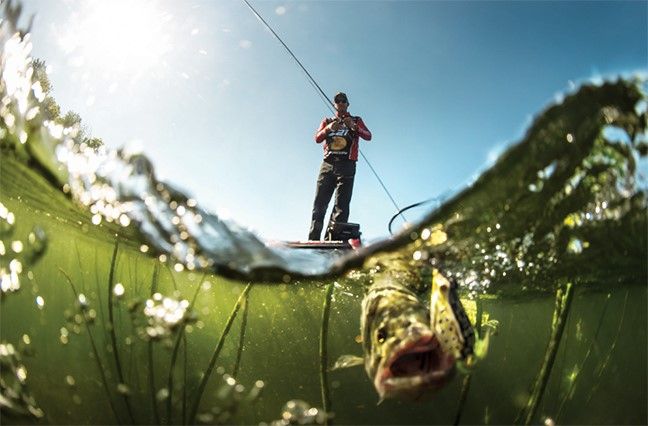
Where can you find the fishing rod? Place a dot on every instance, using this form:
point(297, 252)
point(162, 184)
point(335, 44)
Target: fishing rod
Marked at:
point(330, 106)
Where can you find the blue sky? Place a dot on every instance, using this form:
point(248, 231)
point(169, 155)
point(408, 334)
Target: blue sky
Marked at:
point(207, 92)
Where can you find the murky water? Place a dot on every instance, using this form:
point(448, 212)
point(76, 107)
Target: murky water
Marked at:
point(123, 301)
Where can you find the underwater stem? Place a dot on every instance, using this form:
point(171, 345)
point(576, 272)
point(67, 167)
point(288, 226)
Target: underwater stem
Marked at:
point(572, 386)
point(174, 357)
point(156, 416)
point(561, 311)
point(214, 357)
point(95, 352)
point(605, 362)
point(323, 350)
point(239, 353)
point(111, 328)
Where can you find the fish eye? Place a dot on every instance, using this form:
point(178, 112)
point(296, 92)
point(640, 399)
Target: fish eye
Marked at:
point(381, 335)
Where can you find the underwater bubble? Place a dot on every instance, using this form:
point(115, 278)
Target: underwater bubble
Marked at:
point(83, 301)
point(549, 422)
point(575, 246)
point(37, 240)
point(40, 302)
point(21, 373)
point(15, 266)
point(118, 290)
point(162, 394)
point(144, 248)
point(205, 418)
point(6, 349)
point(96, 219)
point(69, 380)
point(17, 246)
point(2, 249)
point(26, 339)
point(123, 389)
point(124, 220)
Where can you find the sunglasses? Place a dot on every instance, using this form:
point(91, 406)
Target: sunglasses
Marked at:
point(341, 101)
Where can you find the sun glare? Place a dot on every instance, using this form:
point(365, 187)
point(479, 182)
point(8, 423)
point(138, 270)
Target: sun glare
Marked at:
point(118, 36)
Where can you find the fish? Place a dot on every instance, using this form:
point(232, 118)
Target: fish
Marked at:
point(411, 346)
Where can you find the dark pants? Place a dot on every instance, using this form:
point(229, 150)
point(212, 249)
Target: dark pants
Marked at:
point(334, 176)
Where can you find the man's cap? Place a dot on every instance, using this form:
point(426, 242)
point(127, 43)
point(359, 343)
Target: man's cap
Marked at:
point(339, 95)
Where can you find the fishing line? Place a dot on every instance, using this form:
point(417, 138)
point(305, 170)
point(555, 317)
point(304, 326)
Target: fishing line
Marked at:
point(328, 103)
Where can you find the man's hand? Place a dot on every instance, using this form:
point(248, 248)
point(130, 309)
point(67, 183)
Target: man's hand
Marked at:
point(348, 121)
point(333, 126)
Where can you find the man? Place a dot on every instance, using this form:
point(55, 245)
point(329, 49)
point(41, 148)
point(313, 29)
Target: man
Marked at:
point(341, 135)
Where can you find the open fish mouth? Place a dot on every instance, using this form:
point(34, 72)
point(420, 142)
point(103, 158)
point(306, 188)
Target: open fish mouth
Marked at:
point(416, 365)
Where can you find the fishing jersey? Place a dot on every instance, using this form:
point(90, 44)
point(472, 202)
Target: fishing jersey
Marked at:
point(343, 143)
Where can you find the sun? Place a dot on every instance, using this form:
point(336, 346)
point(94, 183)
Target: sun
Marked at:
point(118, 36)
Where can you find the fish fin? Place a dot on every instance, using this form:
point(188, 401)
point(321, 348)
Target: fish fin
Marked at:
point(481, 345)
point(480, 350)
point(346, 361)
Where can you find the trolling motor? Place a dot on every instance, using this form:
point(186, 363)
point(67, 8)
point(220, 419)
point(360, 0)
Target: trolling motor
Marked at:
point(341, 231)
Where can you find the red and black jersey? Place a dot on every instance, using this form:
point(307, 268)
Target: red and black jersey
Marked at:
point(344, 142)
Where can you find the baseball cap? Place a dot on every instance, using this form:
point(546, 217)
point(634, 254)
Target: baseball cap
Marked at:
point(340, 95)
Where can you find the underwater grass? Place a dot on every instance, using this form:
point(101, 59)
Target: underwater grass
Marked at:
point(102, 371)
point(174, 357)
point(156, 415)
point(605, 362)
point(239, 352)
point(111, 328)
point(570, 392)
point(323, 350)
point(214, 357)
point(561, 311)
